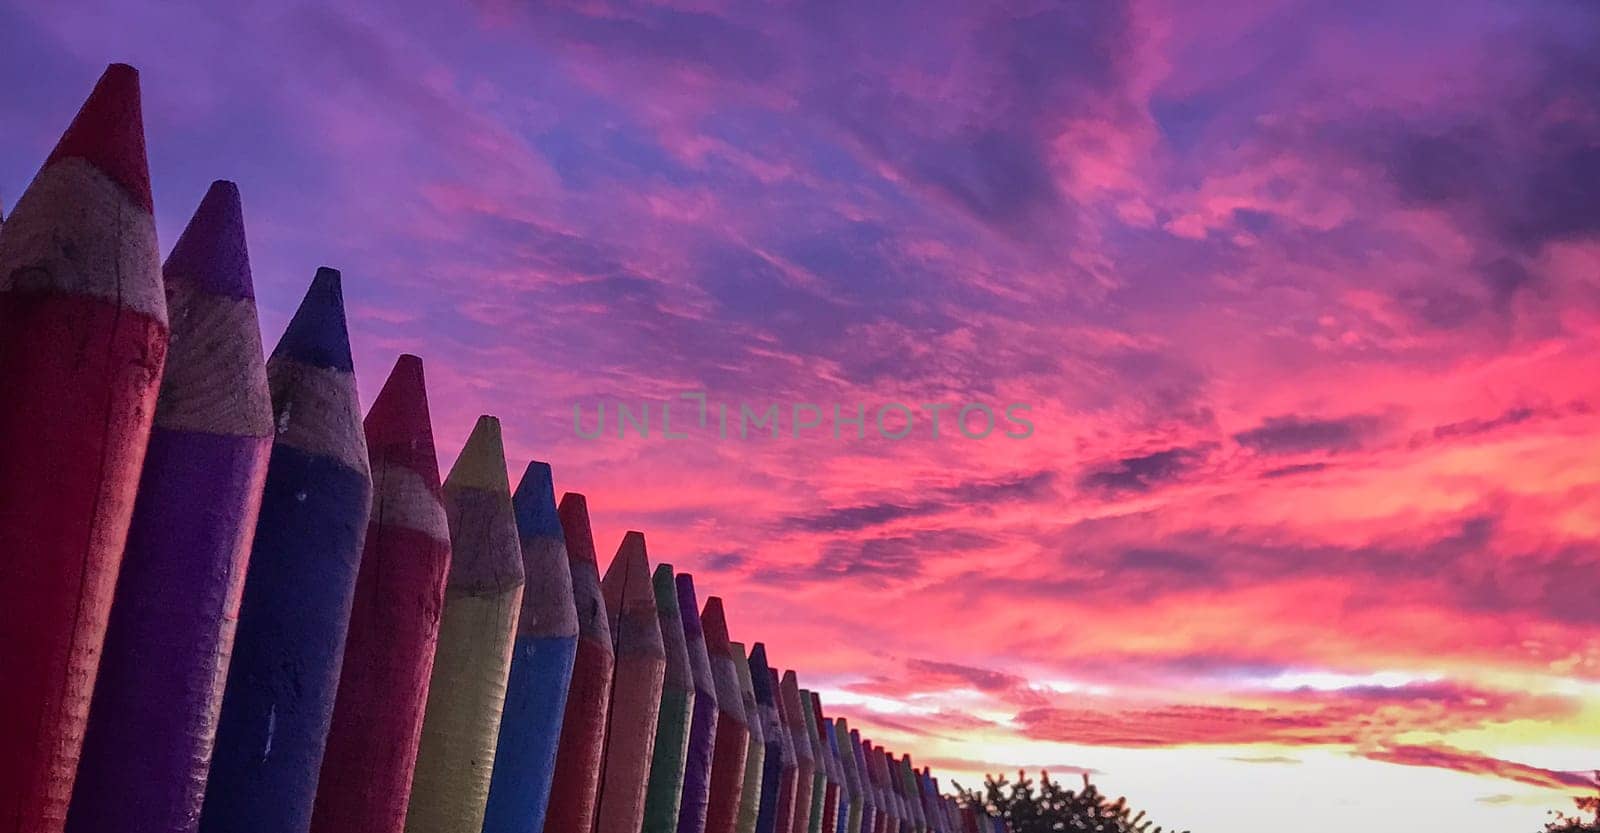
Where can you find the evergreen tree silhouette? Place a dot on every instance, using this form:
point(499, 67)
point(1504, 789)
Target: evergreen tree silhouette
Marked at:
point(1587, 819)
point(1048, 807)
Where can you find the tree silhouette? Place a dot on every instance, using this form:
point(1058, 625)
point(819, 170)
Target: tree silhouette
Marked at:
point(1049, 807)
point(1587, 819)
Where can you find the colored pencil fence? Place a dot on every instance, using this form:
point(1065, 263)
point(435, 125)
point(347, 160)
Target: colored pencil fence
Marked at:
point(234, 606)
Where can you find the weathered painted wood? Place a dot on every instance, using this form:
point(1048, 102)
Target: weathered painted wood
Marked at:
point(908, 787)
point(482, 600)
point(703, 725)
point(635, 688)
point(177, 600)
point(937, 801)
point(665, 794)
point(925, 796)
point(838, 799)
point(779, 771)
point(575, 788)
point(83, 337)
point(894, 817)
point(849, 800)
point(850, 749)
point(806, 764)
point(394, 620)
point(825, 793)
point(755, 750)
point(293, 617)
point(733, 733)
point(541, 665)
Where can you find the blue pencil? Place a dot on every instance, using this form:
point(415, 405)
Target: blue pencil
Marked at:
point(541, 665)
point(279, 696)
point(778, 770)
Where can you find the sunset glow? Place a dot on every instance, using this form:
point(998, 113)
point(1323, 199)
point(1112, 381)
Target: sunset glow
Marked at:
point(1302, 300)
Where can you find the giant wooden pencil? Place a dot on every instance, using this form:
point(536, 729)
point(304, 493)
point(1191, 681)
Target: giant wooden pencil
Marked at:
point(825, 794)
point(171, 626)
point(908, 785)
point(778, 771)
point(827, 811)
point(897, 782)
point(849, 791)
point(394, 620)
point(919, 794)
point(665, 793)
point(541, 665)
point(851, 738)
point(829, 744)
point(908, 822)
point(297, 591)
point(925, 795)
point(841, 795)
point(894, 815)
point(482, 600)
point(872, 812)
point(635, 688)
point(806, 766)
point(733, 733)
point(930, 818)
point(702, 737)
point(886, 822)
point(947, 823)
point(756, 750)
point(819, 782)
point(969, 820)
point(83, 335)
point(869, 782)
point(576, 784)
point(930, 800)
point(836, 802)
point(910, 816)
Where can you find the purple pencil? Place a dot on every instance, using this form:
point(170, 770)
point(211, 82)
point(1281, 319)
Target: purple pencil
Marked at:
point(147, 750)
point(703, 727)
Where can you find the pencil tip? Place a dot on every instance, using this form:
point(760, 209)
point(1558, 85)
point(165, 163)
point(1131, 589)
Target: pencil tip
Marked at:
point(482, 462)
point(317, 335)
point(574, 515)
point(211, 254)
point(535, 503)
point(108, 133)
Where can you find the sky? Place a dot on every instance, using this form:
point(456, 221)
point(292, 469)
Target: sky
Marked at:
point(1298, 302)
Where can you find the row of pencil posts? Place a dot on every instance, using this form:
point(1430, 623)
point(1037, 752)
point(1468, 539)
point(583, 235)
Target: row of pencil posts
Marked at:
point(232, 604)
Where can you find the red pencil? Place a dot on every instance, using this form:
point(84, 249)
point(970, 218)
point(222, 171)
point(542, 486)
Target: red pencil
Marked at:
point(394, 620)
point(83, 338)
point(573, 791)
point(635, 688)
point(805, 779)
point(733, 733)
